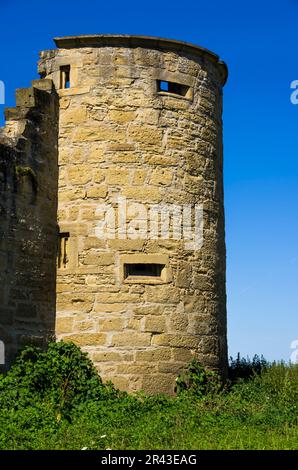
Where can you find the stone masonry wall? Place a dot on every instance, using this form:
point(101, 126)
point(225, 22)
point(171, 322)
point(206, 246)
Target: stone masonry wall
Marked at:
point(28, 227)
point(120, 135)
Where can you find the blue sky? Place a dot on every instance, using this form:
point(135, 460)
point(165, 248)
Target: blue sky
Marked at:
point(258, 41)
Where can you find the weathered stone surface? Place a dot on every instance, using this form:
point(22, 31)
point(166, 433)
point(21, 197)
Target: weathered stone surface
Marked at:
point(97, 192)
point(176, 340)
point(85, 325)
point(98, 133)
point(159, 383)
point(99, 259)
point(64, 325)
point(145, 135)
point(155, 324)
point(74, 116)
point(154, 355)
point(111, 356)
point(120, 116)
point(111, 324)
point(131, 339)
point(139, 177)
point(87, 339)
point(117, 176)
point(161, 177)
point(116, 135)
point(28, 220)
point(79, 174)
point(142, 194)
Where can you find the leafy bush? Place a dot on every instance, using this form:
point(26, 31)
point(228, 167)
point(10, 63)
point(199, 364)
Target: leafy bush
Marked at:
point(198, 381)
point(63, 376)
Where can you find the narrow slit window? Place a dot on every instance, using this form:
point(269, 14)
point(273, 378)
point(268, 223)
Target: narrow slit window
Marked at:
point(173, 88)
point(65, 76)
point(151, 270)
point(63, 250)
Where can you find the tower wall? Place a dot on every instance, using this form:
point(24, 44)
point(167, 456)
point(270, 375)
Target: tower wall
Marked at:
point(122, 135)
point(28, 219)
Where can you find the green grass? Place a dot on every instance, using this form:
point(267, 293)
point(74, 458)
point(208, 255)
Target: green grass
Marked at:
point(55, 400)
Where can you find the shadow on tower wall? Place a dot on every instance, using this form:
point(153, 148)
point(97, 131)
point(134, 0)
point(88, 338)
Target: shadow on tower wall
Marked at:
point(28, 219)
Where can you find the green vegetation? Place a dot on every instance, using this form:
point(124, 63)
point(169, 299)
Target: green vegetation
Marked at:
point(56, 400)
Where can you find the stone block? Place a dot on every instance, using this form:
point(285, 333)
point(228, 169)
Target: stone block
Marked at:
point(85, 325)
point(145, 135)
point(154, 355)
point(137, 369)
point(79, 174)
point(99, 133)
point(73, 116)
point(155, 324)
point(87, 339)
point(98, 175)
point(161, 177)
point(123, 297)
point(111, 356)
point(159, 383)
point(162, 294)
point(142, 193)
point(100, 307)
point(120, 116)
point(111, 324)
point(131, 340)
point(182, 355)
point(64, 325)
point(118, 176)
point(97, 192)
point(175, 340)
point(139, 177)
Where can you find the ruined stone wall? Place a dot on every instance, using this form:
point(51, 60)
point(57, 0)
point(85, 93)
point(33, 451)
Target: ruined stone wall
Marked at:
point(119, 134)
point(28, 222)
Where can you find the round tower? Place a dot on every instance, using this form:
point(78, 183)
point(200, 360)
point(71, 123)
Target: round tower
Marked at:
point(141, 262)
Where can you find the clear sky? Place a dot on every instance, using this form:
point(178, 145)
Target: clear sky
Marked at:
point(258, 40)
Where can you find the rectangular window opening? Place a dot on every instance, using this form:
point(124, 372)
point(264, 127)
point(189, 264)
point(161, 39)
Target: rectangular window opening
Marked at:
point(65, 76)
point(151, 270)
point(171, 87)
point(62, 250)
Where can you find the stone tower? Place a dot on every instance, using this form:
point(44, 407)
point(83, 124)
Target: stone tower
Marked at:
point(141, 251)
